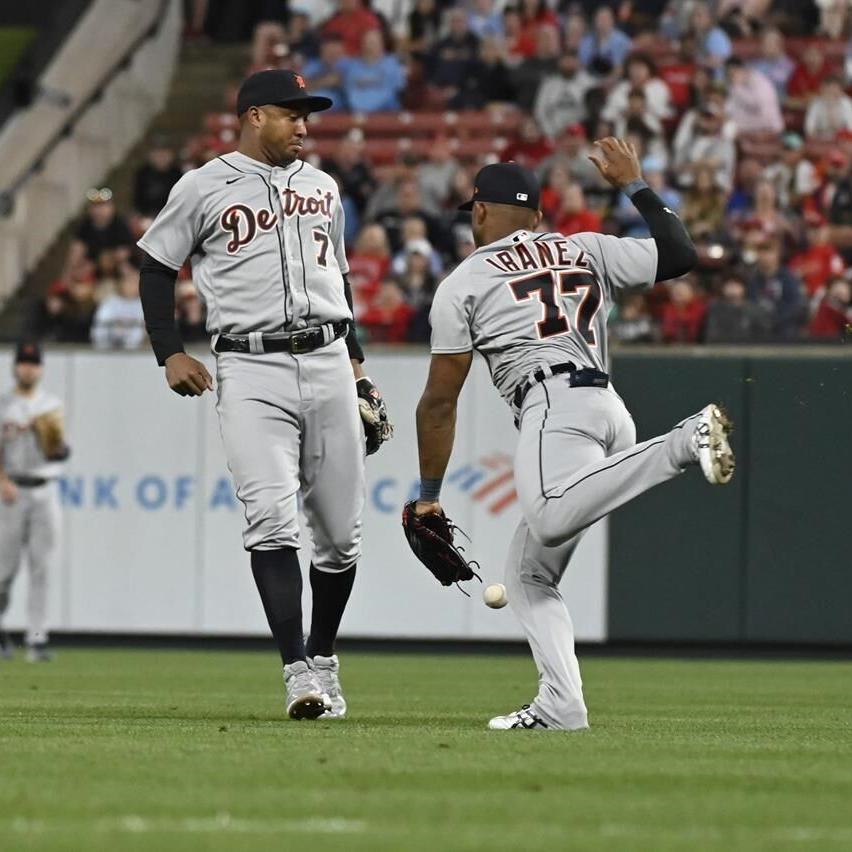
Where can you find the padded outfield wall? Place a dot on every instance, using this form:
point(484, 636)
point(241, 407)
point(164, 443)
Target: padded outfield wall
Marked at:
point(151, 529)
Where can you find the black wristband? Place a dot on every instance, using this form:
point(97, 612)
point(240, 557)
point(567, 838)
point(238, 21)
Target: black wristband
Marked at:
point(353, 345)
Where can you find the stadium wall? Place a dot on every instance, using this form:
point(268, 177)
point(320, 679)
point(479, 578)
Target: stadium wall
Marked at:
point(767, 559)
point(149, 508)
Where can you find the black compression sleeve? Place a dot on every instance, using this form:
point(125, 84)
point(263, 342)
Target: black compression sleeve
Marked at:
point(676, 254)
point(356, 353)
point(157, 291)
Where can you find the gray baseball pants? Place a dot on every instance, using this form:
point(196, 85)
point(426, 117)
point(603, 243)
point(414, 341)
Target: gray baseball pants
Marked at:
point(577, 460)
point(291, 423)
point(29, 527)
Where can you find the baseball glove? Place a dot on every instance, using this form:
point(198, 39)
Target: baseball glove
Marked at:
point(374, 415)
point(50, 434)
point(430, 537)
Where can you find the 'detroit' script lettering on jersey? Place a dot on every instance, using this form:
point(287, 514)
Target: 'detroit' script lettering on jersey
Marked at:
point(243, 222)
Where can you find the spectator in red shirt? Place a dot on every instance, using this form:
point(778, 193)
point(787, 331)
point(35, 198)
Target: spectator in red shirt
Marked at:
point(388, 318)
point(678, 75)
point(833, 319)
point(533, 14)
point(807, 77)
point(350, 22)
point(820, 261)
point(368, 266)
point(683, 315)
point(530, 146)
point(575, 217)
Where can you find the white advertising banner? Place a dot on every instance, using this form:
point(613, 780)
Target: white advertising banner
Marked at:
point(152, 530)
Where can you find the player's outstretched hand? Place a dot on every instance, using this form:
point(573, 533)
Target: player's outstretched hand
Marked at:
point(8, 491)
point(187, 376)
point(617, 161)
point(422, 507)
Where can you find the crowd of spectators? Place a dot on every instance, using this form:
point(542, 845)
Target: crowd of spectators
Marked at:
point(739, 109)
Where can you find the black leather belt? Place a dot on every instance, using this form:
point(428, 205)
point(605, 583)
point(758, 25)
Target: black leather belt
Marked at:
point(582, 377)
point(297, 342)
point(29, 481)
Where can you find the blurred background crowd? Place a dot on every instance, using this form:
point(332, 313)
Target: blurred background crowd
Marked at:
point(740, 109)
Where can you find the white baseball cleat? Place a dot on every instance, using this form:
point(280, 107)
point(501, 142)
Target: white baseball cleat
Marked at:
point(305, 699)
point(38, 652)
point(710, 445)
point(525, 719)
point(327, 670)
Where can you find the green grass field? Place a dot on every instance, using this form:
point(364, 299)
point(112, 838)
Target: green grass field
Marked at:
point(174, 750)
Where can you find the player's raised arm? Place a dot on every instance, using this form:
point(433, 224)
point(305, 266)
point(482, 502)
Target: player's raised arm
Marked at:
point(618, 162)
point(436, 423)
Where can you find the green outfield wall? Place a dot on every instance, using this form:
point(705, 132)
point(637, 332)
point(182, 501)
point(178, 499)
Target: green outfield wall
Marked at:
point(768, 558)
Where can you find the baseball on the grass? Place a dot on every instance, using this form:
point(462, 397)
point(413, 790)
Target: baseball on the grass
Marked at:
point(495, 596)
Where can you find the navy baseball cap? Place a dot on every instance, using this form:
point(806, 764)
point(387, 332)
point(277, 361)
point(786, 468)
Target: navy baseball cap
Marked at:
point(505, 183)
point(28, 352)
point(279, 87)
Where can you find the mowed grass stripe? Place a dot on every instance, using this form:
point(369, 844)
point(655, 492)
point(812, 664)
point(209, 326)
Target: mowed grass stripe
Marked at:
point(189, 750)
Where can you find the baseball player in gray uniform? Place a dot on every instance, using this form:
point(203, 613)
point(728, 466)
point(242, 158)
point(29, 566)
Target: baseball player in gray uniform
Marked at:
point(535, 305)
point(32, 449)
point(264, 231)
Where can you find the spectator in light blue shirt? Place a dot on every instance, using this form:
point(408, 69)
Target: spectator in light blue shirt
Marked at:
point(483, 20)
point(773, 62)
point(373, 82)
point(605, 40)
point(714, 46)
point(324, 74)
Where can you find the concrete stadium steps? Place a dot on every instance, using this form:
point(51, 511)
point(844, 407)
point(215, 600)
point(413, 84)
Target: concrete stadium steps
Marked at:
point(199, 87)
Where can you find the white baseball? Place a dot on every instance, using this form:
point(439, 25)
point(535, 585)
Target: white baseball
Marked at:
point(495, 596)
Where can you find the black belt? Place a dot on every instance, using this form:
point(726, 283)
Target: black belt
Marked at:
point(297, 342)
point(582, 377)
point(29, 481)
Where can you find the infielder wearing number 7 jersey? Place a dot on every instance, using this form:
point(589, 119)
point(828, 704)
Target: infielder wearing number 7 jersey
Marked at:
point(264, 230)
point(535, 306)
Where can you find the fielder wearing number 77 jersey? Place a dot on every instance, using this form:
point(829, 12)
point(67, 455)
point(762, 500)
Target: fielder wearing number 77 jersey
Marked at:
point(264, 231)
point(535, 305)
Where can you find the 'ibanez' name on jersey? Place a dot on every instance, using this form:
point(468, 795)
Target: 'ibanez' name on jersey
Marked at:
point(538, 254)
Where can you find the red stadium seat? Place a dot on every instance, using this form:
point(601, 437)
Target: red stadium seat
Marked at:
point(413, 124)
point(216, 122)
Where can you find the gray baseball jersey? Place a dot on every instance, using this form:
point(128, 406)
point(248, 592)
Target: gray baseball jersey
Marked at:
point(541, 299)
point(30, 524)
point(533, 299)
point(266, 243)
point(267, 252)
point(21, 453)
